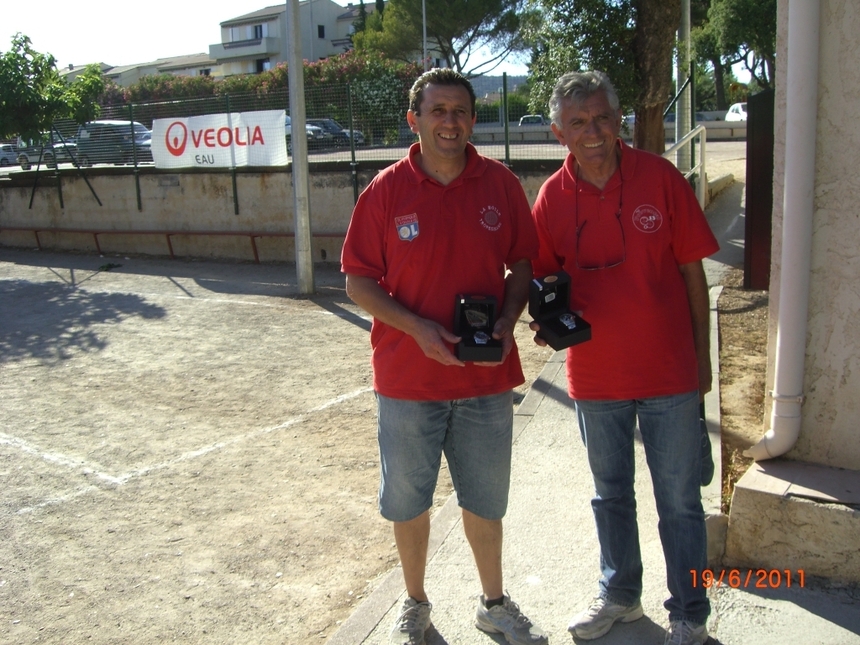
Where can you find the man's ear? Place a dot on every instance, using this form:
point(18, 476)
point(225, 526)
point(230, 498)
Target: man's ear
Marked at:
point(410, 119)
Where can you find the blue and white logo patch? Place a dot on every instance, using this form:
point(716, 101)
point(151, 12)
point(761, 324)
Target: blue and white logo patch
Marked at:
point(407, 227)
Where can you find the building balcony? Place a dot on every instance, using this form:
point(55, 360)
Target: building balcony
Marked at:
point(244, 49)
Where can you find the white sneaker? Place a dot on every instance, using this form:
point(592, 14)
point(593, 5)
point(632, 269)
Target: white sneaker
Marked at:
point(600, 616)
point(507, 619)
point(682, 632)
point(413, 622)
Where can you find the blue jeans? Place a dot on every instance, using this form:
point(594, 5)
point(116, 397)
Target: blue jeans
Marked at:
point(672, 440)
point(476, 436)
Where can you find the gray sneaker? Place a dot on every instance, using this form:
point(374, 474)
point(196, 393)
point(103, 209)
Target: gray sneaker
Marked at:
point(413, 622)
point(682, 632)
point(507, 619)
point(600, 616)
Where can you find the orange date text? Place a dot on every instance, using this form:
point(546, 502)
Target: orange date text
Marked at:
point(748, 578)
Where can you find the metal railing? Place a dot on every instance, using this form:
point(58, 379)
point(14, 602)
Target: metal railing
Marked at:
point(697, 174)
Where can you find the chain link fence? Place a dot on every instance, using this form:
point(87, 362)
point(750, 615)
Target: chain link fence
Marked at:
point(343, 124)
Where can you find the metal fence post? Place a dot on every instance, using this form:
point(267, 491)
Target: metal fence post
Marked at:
point(233, 166)
point(353, 164)
point(505, 110)
point(136, 172)
point(56, 167)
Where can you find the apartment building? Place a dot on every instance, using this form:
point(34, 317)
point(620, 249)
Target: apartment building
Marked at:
point(256, 41)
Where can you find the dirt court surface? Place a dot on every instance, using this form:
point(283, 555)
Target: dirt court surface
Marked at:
point(187, 450)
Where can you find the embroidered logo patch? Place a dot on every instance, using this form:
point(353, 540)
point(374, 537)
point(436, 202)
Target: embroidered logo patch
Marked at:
point(647, 219)
point(491, 219)
point(407, 227)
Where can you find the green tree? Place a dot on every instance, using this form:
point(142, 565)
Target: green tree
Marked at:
point(456, 31)
point(393, 35)
point(360, 23)
point(745, 31)
point(33, 96)
point(633, 41)
point(379, 88)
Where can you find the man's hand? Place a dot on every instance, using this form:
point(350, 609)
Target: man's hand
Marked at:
point(430, 336)
point(535, 327)
point(434, 340)
point(503, 330)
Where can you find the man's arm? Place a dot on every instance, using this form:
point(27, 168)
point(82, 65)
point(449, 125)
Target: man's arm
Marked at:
point(430, 336)
point(700, 312)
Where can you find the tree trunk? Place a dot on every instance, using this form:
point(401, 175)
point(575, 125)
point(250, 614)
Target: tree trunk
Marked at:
point(654, 44)
point(719, 83)
point(648, 132)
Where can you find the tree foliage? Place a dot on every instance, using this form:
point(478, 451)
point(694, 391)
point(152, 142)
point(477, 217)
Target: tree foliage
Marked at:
point(456, 31)
point(378, 87)
point(745, 31)
point(731, 32)
point(630, 40)
point(157, 87)
point(33, 96)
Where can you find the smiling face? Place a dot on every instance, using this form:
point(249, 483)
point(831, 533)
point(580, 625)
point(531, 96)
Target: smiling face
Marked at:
point(443, 122)
point(589, 129)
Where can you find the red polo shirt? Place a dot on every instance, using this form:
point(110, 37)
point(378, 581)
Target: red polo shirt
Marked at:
point(426, 243)
point(642, 334)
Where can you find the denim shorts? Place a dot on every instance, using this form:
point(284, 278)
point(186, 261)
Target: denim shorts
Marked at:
point(475, 435)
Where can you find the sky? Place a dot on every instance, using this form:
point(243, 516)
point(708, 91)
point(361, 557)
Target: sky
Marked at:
point(122, 33)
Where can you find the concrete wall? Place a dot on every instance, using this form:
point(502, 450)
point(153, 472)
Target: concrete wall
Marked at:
point(193, 202)
point(829, 431)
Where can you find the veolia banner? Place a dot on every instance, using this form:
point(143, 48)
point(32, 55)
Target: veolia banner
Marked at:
point(220, 140)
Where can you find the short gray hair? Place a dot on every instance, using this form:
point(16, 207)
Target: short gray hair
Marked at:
point(577, 87)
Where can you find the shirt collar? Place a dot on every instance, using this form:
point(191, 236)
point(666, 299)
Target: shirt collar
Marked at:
point(628, 167)
point(475, 165)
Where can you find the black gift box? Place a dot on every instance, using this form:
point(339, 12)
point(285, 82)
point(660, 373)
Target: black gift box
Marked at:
point(549, 305)
point(474, 318)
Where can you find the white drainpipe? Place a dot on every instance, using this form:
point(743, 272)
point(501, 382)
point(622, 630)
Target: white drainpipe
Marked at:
point(798, 208)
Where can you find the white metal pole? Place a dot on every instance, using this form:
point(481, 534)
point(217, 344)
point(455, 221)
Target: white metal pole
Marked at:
point(801, 115)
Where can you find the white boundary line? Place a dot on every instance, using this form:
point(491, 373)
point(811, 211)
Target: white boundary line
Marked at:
point(74, 464)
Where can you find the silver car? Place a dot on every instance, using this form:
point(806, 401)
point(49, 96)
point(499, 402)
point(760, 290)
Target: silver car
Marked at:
point(8, 155)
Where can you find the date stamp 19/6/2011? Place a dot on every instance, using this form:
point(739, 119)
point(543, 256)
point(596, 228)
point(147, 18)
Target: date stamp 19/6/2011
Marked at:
point(749, 578)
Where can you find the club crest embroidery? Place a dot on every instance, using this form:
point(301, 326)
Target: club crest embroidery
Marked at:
point(407, 227)
point(647, 219)
point(491, 219)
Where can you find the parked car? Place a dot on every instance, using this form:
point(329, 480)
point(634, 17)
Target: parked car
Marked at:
point(44, 151)
point(317, 138)
point(737, 112)
point(339, 135)
point(8, 155)
point(112, 142)
point(533, 119)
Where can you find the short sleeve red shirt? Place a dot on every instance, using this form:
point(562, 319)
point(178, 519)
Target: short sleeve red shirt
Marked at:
point(426, 243)
point(642, 333)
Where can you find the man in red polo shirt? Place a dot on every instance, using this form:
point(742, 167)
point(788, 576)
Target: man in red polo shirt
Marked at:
point(441, 222)
point(626, 226)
